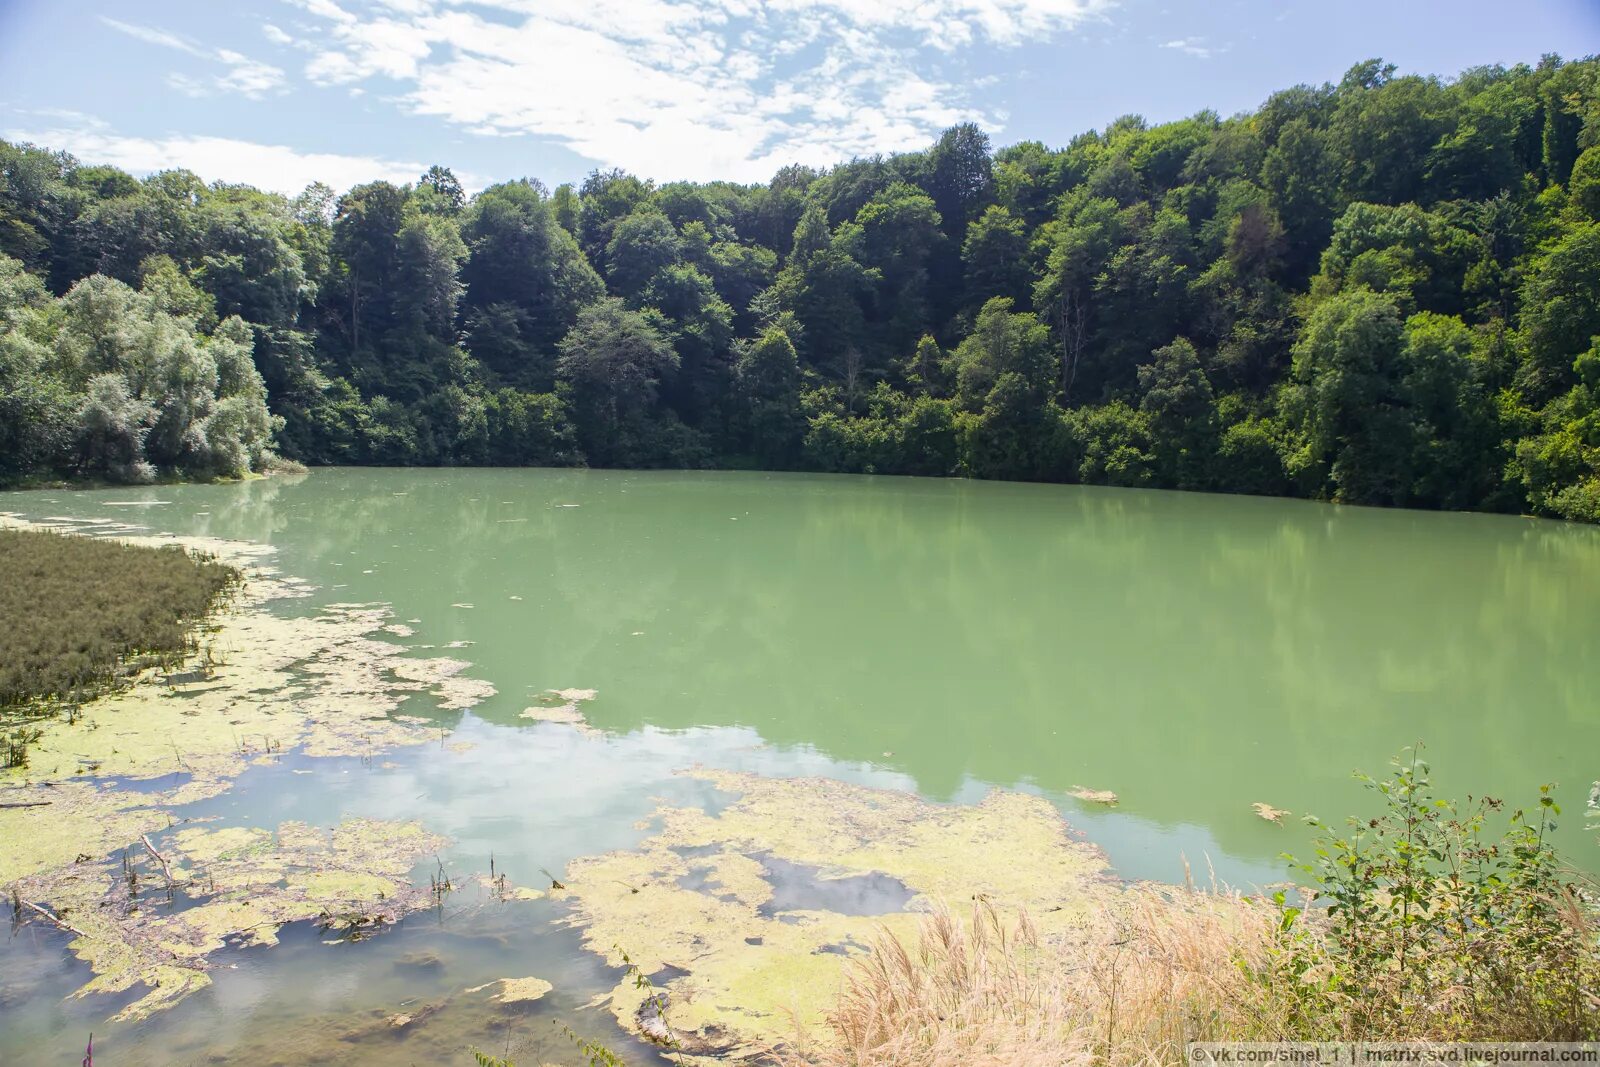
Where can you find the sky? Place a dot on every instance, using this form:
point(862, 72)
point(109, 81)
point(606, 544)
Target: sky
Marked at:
point(278, 93)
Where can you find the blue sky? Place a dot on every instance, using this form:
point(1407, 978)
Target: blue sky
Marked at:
point(278, 92)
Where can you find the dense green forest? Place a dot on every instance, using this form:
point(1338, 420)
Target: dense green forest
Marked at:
point(1383, 291)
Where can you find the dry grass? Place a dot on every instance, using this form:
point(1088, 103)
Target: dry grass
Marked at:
point(1161, 968)
point(1151, 973)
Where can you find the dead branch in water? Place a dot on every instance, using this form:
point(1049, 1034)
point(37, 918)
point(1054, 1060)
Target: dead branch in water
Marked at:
point(52, 917)
point(159, 858)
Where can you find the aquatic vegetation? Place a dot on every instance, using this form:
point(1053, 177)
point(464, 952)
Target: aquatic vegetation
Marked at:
point(1425, 927)
point(515, 990)
point(1268, 812)
point(78, 614)
point(238, 886)
point(561, 706)
point(318, 684)
point(690, 900)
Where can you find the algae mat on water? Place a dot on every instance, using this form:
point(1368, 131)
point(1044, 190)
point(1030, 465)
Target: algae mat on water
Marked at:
point(696, 903)
point(262, 686)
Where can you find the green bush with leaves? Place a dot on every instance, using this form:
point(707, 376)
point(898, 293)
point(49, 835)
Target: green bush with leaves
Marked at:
point(1426, 923)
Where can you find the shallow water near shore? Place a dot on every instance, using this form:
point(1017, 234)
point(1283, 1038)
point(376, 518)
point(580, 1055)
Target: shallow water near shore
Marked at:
point(1193, 654)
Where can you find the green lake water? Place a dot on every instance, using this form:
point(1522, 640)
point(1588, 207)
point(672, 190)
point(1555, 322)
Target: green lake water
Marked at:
point(1195, 654)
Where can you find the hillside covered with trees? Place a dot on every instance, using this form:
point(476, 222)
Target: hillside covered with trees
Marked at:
point(1385, 291)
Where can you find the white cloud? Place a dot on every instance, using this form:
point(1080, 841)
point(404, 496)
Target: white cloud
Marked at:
point(266, 166)
point(275, 35)
point(243, 75)
point(151, 35)
point(1192, 46)
point(685, 88)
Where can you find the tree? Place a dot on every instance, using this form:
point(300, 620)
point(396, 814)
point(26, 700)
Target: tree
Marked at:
point(366, 229)
point(961, 176)
point(104, 383)
point(249, 265)
point(607, 197)
point(1382, 290)
point(768, 372)
point(699, 324)
point(1583, 189)
point(1359, 438)
point(1458, 453)
point(1081, 245)
point(611, 366)
point(895, 235)
point(442, 191)
point(1300, 178)
point(1114, 444)
point(642, 245)
point(1560, 311)
point(526, 280)
point(1178, 400)
point(996, 258)
point(1002, 342)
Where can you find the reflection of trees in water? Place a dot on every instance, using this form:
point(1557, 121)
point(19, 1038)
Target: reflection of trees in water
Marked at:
point(1156, 644)
point(1193, 653)
point(248, 511)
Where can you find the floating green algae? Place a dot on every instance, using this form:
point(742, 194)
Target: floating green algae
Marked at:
point(515, 990)
point(239, 886)
point(691, 897)
point(262, 685)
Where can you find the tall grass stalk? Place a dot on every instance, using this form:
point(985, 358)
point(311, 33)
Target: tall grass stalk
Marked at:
point(1419, 923)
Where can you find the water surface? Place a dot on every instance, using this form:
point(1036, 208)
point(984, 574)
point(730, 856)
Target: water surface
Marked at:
point(1195, 654)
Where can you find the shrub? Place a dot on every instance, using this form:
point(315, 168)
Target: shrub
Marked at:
point(1434, 928)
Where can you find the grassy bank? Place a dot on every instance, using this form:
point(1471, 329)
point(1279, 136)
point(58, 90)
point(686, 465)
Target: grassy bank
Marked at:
point(79, 614)
point(1426, 921)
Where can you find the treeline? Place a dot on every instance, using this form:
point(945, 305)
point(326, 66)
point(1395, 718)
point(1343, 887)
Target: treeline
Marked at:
point(1385, 291)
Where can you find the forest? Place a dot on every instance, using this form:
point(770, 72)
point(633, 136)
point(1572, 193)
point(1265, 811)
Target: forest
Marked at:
point(1385, 291)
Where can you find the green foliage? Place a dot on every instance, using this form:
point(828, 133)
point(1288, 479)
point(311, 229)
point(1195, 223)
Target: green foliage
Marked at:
point(1002, 342)
point(1583, 190)
point(996, 257)
point(78, 613)
point(105, 384)
point(592, 1052)
point(1181, 410)
point(769, 383)
point(1382, 290)
point(526, 280)
point(1114, 444)
point(1427, 923)
point(611, 366)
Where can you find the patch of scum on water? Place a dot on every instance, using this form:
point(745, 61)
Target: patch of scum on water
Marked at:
point(695, 895)
point(698, 904)
point(268, 684)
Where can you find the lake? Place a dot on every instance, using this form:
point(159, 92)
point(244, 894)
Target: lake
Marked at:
point(1195, 654)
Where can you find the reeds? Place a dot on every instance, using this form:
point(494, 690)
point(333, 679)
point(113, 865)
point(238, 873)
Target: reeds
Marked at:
point(1419, 924)
point(79, 614)
point(1129, 986)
